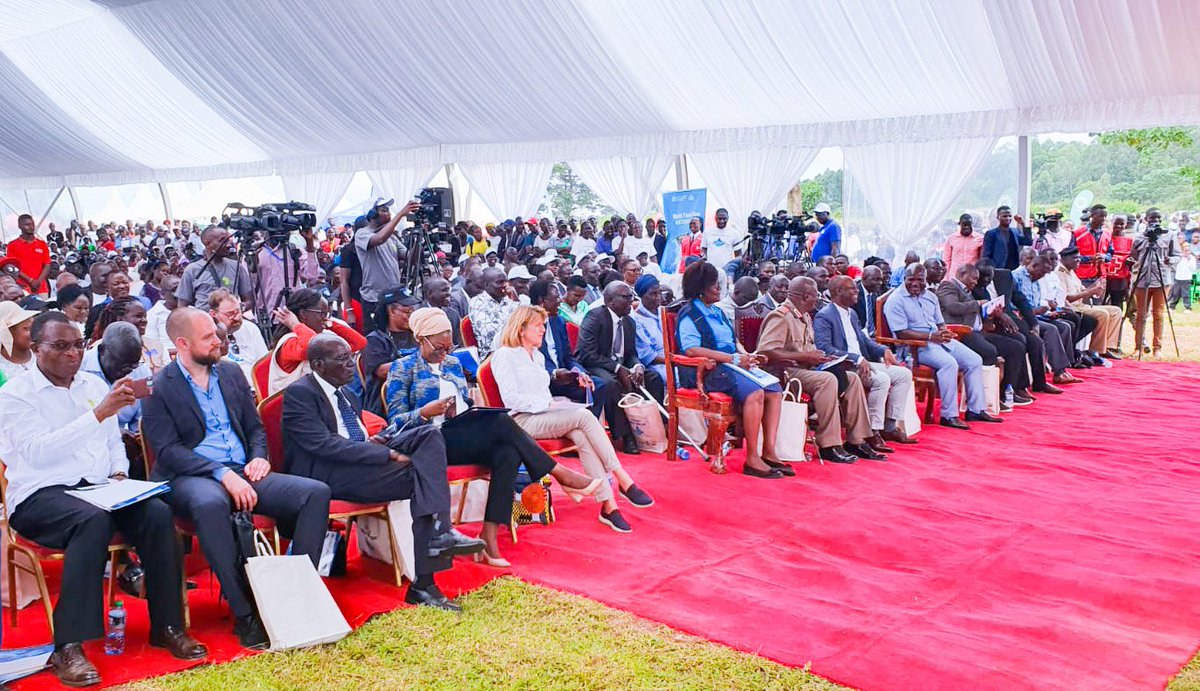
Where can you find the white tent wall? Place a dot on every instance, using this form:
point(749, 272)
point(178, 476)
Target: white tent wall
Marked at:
point(629, 184)
point(510, 189)
point(745, 181)
point(322, 190)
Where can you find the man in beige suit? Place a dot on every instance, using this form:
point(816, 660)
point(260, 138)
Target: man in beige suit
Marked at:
point(787, 342)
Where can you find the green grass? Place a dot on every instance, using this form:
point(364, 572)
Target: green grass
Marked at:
point(1187, 333)
point(512, 635)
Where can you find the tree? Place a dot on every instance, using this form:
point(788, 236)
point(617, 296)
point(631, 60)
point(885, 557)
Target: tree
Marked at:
point(567, 195)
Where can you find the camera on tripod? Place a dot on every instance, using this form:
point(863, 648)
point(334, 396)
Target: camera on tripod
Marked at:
point(1046, 222)
point(276, 222)
point(432, 211)
point(779, 225)
point(1154, 231)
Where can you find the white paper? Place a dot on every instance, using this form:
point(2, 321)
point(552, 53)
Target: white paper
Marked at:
point(756, 375)
point(117, 494)
point(832, 363)
point(22, 662)
point(992, 304)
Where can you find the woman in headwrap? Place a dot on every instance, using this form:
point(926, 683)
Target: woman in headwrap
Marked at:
point(426, 387)
point(16, 347)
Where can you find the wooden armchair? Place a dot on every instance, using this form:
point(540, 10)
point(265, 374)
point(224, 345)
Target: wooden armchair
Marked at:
point(717, 408)
point(924, 378)
point(748, 323)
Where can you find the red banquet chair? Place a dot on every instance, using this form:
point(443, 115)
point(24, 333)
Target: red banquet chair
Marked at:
point(261, 371)
point(271, 412)
point(468, 333)
point(717, 408)
point(572, 335)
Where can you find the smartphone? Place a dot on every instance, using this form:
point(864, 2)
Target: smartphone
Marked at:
point(141, 387)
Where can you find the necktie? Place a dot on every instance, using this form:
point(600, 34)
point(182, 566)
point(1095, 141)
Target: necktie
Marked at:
point(618, 339)
point(353, 431)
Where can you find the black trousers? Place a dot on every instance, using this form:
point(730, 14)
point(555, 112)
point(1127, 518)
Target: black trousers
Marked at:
point(55, 519)
point(1062, 329)
point(991, 345)
point(618, 425)
point(501, 445)
point(299, 505)
point(423, 482)
point(1035, 348)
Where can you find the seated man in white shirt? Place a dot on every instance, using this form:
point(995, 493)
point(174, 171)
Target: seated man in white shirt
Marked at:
point(156, 338)
point(59, 428)
point(246, 344)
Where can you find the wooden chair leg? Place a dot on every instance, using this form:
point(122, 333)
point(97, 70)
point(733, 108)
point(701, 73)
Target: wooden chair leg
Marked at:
point(397, 560)
point(45, 593)
point(183, 589)
point(462, 502)
point(929, 396)
point(12, 588)
point(673, 435)
point(112, 577)
point(716, 444)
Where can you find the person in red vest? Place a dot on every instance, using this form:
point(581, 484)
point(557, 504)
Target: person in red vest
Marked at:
point(1095, 245)
point(1117, 269)
point(32, 255)
point(690, 244)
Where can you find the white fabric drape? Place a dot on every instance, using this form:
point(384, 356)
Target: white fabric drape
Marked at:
point(322, 190)
point(509, 189)
point(746, 181)
point(911, 186)
point(400, 184)
point(630, 184)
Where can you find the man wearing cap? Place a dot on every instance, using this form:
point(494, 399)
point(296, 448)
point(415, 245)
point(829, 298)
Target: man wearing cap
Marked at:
point(829, 238)
point(1002, 244)
point(519, 278)
point(379, 251)
point(490, 309)
point(218, 270)
point(1054, 237)
point(1105, 341)
point(32, 256)
point(962, 246)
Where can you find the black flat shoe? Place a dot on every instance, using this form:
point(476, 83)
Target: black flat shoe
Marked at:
point(250, 632)
point(785, 468)
point(768, 474)
point(982, 417)
point(631, 447)
point(430, 597)
point(954, 423)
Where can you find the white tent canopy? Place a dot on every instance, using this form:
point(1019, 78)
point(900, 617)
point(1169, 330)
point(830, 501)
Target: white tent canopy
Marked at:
point(127, 91)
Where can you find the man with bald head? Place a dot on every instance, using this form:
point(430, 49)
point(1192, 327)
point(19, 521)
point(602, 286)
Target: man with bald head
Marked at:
point(119, 355)
point(776, 291)
point(820, 275)
point(913, 313)
point(324, 438)
point(787, 340)
point(204, 429)
point(217, 270)
point(745, 292)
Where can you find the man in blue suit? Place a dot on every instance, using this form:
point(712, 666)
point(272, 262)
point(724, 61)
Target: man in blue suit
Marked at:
point(837, 331)
point(567, 377)
point(1003, 243)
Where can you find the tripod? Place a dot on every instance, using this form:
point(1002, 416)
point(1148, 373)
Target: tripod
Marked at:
point(1151, 251)
point(419, 261)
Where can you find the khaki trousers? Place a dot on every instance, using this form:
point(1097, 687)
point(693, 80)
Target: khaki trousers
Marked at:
point(1109, 321)
point(822, 388)
point(1149, 300)
point(596, 452)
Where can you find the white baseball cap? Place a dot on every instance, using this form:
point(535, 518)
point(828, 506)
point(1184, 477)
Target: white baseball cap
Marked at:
point(822, 208)
point(550, 256)
point(519, 271)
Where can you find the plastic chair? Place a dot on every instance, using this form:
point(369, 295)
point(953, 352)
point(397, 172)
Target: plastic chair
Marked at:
point(468, 333)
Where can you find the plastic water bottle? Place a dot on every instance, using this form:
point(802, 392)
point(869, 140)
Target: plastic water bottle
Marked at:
point(683, 454)
point(1008, 395)
point(114, 640)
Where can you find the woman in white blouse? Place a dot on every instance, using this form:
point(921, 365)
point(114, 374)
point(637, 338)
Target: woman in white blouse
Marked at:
point(524, 382)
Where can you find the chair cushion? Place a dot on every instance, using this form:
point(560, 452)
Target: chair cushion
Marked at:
point(339, 507)
point(459, 473)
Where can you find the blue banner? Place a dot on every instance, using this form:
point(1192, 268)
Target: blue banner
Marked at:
point(679, 208)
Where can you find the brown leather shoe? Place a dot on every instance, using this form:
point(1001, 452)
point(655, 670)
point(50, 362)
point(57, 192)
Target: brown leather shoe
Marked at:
point(877, 443)
point(1048, 388)
point(72, 666)
point(897, 435)
point(178, 642)
point(1066, 378)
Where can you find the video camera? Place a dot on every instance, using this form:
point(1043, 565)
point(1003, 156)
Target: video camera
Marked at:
point(275, 221)
point(1154, 231)
point(1045, 223)
point(431, 209)
point(780, 224)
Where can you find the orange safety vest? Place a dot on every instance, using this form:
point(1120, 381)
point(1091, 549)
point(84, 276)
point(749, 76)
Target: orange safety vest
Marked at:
point(1122, 247)
point(1089, 247)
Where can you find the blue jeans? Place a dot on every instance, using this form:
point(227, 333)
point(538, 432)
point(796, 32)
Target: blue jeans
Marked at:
point(947, 360)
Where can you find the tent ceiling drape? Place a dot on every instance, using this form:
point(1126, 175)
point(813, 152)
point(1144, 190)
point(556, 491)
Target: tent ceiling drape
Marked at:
point(121, 91)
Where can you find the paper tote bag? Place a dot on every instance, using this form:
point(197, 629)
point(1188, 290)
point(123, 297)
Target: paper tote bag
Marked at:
point(293, 602)
point(646, 422)
point(793, 424)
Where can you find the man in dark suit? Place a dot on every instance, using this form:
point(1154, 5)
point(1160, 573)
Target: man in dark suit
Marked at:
point(324, 439)
point(209, 443)
point(608, 349)
point(567, 377)
point(1002, 244)
point(888, 384)
point(870, 287)
point(994, 283)
point(992, 338)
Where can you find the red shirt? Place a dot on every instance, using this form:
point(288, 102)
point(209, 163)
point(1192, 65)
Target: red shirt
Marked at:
point(32, 256)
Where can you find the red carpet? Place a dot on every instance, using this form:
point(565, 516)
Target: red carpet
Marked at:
point(1056, 550)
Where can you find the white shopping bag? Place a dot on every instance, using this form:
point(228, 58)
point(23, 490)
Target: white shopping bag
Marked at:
point(991, 391)
point(295, 606)
point(646, 422)
point(912, 419)
point(373, 540)
point(27, 587)
point(793, 424)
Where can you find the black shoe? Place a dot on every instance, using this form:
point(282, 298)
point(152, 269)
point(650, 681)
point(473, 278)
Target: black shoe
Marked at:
point(72, 666)
point(615, 521)
point(178, 642)
point(250, 632)
point(835, 455)
point(430, 597)
point(452, 544)
point(631, 447)
point(638, 497)
point(768, 474)
point(785, 468)
point(1047, 388)
point(1005, 408)
point(1022, 399)
point(982, 416)
point(953, 422)
point(132, 581)
point(865, 451)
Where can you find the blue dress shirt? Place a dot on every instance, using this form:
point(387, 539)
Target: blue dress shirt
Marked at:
point(689, 335)
point(220, 444)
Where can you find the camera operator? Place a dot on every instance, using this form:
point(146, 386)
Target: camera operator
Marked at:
point(1155, 251)
point(380, 251)
point(302, 267)
point(217, 270)
point(829, 238)
point(1050, 232)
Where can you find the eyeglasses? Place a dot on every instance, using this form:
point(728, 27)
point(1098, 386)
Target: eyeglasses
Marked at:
point(64, 346)
point(324, 314)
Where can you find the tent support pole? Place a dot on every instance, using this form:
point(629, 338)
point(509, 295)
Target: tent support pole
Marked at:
point(51, 207)
point(166, 200)
point(74, 202)
point(681, 172)
point(1024, 175)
